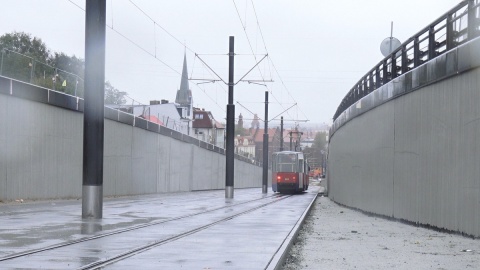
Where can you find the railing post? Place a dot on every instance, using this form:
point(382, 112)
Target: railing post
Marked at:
point(32, 70)
point(404, 59)
point(1, 64)
point(431, 43)
point(372, 85)
point(416, 52)
point(450, 37)
point(365, 87)
point(394, 66)
point(385, 72)
point(472, 28)
point(378, 81)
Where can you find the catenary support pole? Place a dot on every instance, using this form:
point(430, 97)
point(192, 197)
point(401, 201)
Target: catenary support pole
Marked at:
point(265, 148)
point(229, 172)
point(290, 140)
point(281, 133)
point(93, 119)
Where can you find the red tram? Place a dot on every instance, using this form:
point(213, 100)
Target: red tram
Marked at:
point(289, 172)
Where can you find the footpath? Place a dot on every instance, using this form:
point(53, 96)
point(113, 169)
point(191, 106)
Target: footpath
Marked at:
point(335, 237)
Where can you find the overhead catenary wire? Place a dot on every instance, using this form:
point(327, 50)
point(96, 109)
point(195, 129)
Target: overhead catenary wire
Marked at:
point(275, 68)
point(148, 52)
point(161, 27)
point(248, 110)
point(166, 31)
point(254, 55)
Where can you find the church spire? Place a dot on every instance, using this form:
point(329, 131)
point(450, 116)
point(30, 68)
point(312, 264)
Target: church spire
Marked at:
point(184, 94)
point(184, 83)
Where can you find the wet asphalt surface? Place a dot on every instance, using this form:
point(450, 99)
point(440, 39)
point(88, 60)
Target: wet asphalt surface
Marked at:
point(335, 237)
point(191, 230)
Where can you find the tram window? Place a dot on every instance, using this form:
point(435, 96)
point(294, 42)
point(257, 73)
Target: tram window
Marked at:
point(286, 163)
point(300, 165)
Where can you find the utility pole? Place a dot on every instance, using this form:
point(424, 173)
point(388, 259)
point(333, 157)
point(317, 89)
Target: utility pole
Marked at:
point(297, 141)
point(265, 148)
point(93, 117)
point(229, 173)
point(290, 140)
point(281, 133)
point(230, 136)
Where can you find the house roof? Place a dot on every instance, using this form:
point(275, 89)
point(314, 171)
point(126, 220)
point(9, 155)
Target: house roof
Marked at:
point(219, 125)
point(241, 139)
point(153, 119)
point(257, 134)
point(202, 119)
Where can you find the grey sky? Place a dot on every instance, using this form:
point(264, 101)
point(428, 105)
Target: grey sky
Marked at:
point(320, 48)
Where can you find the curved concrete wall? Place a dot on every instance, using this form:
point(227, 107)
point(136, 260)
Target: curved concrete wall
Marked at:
point(415, 157)
point(41, 151)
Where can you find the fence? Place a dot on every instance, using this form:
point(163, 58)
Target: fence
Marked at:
point(26, 69)
point(456, 27)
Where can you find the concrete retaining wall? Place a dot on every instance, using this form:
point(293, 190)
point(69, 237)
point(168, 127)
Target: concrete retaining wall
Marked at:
point(41, 152)
point(415, 157)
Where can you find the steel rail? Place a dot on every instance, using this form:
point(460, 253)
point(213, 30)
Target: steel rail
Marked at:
point(119, 231)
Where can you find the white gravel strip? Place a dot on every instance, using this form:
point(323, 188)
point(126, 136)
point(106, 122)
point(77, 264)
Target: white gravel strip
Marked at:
point(335, 237)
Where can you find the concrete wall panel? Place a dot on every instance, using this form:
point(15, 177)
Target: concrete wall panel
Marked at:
point(415, 157)
point(3, 146)
point(42, 156)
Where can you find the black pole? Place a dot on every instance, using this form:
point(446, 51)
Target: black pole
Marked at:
point(290, 140)
point(229, 172)
point(265, 148)
point(93, 119)
point(281, 133)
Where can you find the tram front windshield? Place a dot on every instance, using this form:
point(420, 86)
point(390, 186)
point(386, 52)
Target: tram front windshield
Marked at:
point(286, 163)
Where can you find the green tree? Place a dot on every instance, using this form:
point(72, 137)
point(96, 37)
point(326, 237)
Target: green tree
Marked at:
point(320, 141)
point(19, 53)
point(23, 43)
point(113, 95)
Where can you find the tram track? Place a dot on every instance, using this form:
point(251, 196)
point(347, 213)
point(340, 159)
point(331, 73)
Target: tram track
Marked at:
point(142, 226)
point(138, 250)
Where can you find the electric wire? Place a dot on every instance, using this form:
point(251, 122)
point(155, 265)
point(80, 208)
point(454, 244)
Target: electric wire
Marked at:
point(249, 110)
point(161, 27)
point(149, 53)
point(273, 64)
point(166, 31)
point(254, 55)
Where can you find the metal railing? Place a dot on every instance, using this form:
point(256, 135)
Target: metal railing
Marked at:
point(457, 26)
point(27, 69)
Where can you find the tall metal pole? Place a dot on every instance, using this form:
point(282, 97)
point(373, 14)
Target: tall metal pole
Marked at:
point(281, 133)
point(265, 148)
point(229, 172)
point(93, 119)
point(290, 140)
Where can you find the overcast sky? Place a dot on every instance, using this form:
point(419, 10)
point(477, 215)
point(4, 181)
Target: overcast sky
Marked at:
point(320, 48)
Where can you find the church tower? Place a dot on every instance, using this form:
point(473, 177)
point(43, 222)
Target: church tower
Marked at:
point(184, 94)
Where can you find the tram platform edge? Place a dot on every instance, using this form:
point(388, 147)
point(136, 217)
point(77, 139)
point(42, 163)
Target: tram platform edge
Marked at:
point(281, 255)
